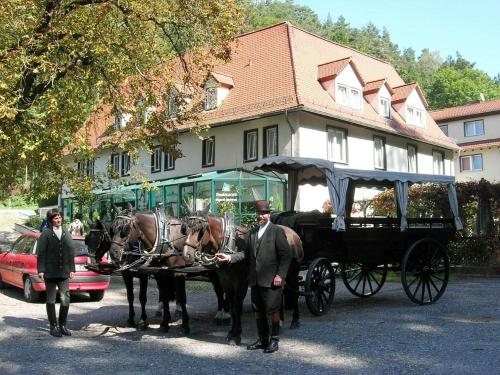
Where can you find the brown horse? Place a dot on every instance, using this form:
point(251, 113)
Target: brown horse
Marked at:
point(206, 237)
point(143, 226)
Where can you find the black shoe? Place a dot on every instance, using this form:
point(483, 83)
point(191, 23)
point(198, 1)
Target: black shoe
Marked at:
point(64, 330)
point(259, 344)
point(273, 345)
point(54, 331)
point(63, 316)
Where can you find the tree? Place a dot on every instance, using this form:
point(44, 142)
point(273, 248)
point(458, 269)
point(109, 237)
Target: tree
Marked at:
point(270, 12)
point(452, 86)
point(61, 60)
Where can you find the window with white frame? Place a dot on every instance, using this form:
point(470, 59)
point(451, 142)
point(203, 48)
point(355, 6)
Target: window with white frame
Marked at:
point(250, 141)
point(473, 128)
point(125, 170)
point(444, 129)
point(121, 119)
point(115, 162)
point(379, 152)
point(210, 97)
point(86, 168)
point(384, 107)
point(271, 141)
point(169, 162)
point(156, 157)
point(437, 162)
point(337, 145)
point(172, 104)
point(348, 96)
point(471, 163)
point(415, 116)
point(208, 149)
point(412, 158)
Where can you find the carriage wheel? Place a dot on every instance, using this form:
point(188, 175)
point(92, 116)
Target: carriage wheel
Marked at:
point(319, 286)
point(363, 280)
point(425, 271)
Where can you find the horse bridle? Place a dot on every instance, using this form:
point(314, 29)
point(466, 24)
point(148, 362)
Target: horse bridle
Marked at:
point(199, 254)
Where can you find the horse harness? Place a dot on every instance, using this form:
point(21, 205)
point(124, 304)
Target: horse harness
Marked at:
point(228, 245)
point(162, 240)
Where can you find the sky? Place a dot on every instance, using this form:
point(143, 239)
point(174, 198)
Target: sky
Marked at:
point(446, 26)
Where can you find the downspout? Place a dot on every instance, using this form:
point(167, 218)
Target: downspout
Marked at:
point(292, 132)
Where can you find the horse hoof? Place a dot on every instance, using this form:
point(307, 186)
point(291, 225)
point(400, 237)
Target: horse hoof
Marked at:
point(294, 324)
point(131, 324)
point(230, 339)
point(143, 325)
point(164, 328)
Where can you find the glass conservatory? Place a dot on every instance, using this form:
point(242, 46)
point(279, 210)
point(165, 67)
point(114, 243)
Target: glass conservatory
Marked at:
point(226, 191)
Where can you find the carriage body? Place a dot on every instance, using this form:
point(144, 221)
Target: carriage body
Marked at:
point(362, 250)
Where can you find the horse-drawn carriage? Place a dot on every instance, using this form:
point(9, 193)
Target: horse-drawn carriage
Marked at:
point(364, 249)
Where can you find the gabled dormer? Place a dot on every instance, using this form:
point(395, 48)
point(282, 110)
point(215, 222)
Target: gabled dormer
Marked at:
point(409, 101)
point(378, 93)
point(216, 89)
point(342, 80)
point(121, 118)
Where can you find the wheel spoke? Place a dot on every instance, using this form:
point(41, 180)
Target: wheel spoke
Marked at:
point(375, 280)
point(369, 283)
point(434, 285)
point(417, 288)
point(437, 277)
point(429, 290)
point(355, 276)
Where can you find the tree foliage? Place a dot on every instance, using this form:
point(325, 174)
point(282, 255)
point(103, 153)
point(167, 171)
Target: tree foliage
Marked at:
point(60, 59)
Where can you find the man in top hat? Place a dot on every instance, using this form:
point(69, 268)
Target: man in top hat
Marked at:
point(269, 257)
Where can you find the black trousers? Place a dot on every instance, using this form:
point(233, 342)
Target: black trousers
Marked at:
point(266, 300)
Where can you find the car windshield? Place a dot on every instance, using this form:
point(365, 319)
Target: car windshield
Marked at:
point(80, 248)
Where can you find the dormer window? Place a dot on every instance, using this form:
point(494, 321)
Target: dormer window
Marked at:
point(143, 112)
point(210, 97)
point(415, 116)
point(121, 119)
point(172, 107)
point(384, 107)
point(348, 96)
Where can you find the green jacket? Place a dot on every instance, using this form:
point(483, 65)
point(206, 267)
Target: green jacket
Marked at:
point(55, 258)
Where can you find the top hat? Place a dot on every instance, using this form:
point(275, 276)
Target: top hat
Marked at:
point(262, 206)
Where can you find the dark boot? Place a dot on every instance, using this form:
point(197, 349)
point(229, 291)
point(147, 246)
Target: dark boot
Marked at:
point(63, 316)
point(275, 331)
point(51, 315)
point(263, 331)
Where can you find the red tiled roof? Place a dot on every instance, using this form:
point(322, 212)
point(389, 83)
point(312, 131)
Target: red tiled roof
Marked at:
point(476, 145)
point(374, 86)
point(276, 69)
point(468, 110)
point(332, 69)
point(401, 93)
point(221, 78)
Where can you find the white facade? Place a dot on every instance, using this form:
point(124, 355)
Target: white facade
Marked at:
point(310, 140)
point(489, 155)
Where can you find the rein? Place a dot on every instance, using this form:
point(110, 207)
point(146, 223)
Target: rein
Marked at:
point(209, 260)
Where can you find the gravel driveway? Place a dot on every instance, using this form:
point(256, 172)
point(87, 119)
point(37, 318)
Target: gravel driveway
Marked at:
point(385, 334)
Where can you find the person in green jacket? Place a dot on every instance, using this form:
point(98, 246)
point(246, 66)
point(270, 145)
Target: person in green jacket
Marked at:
point(56, 265)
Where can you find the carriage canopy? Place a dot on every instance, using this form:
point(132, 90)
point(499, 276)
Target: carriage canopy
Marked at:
point(320, 171)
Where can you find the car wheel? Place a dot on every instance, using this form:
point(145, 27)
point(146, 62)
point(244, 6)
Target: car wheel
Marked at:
point(96, 295)
point(2, 284)
point(30, 294)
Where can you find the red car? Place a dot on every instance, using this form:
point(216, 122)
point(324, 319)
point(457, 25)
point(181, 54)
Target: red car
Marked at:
point(18, 268)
